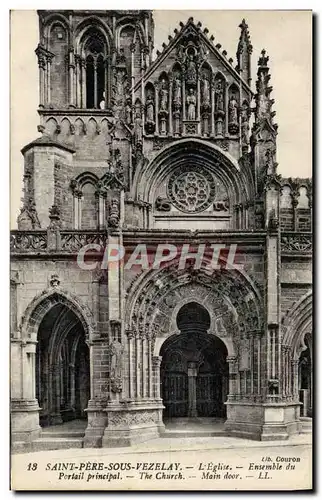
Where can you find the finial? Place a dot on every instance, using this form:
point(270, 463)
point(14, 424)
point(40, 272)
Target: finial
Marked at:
point(263, 60)
point(243, 25)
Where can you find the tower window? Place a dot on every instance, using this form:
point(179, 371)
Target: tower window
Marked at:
point(95, 50)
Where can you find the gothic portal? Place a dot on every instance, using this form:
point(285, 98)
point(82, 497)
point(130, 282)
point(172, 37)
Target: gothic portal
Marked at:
point(143, 152)
point(194, 371)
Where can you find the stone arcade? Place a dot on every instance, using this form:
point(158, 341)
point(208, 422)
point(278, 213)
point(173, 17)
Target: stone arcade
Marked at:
point(176, 150)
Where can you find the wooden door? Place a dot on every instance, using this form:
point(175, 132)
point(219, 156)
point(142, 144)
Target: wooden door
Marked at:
point(175, 394)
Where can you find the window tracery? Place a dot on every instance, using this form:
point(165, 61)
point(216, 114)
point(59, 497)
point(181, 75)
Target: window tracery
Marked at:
point(191, 190)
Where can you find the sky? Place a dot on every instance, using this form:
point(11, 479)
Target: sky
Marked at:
point(286, 36)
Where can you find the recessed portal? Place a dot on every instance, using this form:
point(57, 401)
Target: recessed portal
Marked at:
point(305, 378)
point(194, 371)
point(62, 367)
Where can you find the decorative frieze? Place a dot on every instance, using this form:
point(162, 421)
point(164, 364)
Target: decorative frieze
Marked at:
point(296, 242)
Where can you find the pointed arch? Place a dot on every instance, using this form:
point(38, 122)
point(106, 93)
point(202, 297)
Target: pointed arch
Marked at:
point(92, 22)
point(85, 178)
point(44, 301)
point(297, 322)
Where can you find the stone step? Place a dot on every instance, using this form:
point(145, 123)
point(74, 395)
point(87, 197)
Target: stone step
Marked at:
point(44, 444)
point(186, 433)
point(306, 425)
point(62, 434)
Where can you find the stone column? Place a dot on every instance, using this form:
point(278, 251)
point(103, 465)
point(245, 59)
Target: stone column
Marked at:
point(95, 84)
point(212, 117)
point(150, 392)
point(71, 68)
point(42, 64)
point(130, 336)
point(138, 367)
point(198, 105)
point(184, 104)
point(232, 362)
point(295, 385)
point(156, 360)
point(156, 86)
point(170, 106)
point(192, 388)
point(78, 72)
point(83, 70)
point(49, 59)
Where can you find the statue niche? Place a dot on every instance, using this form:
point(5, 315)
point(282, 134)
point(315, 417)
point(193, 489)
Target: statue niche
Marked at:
point(177, 99)
point(149, 109)
point(205, 98)
point(191, 105)
point(219, 86)
point(233, 111)
point(163, 103)
point(191, 69)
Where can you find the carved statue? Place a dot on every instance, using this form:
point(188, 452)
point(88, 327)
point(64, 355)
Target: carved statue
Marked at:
point(149, 109)
point(138, 129)
point(205, 92)
point(191, 101)
point(245, 124)
point(116, 353)
point(119, 84)
point(163, 96)
point(114, 213)
point(219, 126)
point(221, 205)
point(191, 69)
point(177, 93)
point(219, 93)
point(162, 204)
point(233, 110)
point(128, 112)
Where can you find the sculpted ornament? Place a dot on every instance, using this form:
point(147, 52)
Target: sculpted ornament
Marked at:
point(114, 213)
point(177, 95)
point(233, 115)
point(162, 204)
point(205, 92)
point(116, 365)
point(219, 97)
point(191, 102)
point(163, 96)
point(191, 72)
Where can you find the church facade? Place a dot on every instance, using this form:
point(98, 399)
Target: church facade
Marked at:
point(171, 164)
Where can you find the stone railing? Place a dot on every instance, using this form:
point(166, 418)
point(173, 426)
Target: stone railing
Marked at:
point(72, 241)
point(296, 242)
point(28, 241)
point(48, 241)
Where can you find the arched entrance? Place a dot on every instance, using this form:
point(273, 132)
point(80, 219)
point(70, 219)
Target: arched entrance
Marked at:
point(305, 377)
point(194, 371)
point(62, 367)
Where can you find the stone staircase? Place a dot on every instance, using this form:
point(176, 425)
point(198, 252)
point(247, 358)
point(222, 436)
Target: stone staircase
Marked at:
point(59, 437)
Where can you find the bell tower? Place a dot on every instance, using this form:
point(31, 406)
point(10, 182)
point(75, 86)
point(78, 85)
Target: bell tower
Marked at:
point(88, 63)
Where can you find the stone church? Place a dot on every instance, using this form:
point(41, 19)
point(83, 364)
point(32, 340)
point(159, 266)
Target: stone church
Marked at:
point(136, 151)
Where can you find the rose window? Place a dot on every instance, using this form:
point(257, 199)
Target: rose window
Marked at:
point(192, 190)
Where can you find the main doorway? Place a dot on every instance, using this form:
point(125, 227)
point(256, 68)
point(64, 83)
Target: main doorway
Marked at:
point(62, 367)
point(194, 371)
